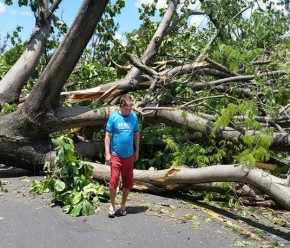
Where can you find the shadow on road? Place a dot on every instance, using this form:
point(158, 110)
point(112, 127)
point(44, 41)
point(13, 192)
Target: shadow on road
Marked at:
point(262, 226)
point(133, 210)
point(9, 172)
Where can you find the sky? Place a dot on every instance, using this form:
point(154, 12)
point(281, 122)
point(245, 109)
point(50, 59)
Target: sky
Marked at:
point(11, 16)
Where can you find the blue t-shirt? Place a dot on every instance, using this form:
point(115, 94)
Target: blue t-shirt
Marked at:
point(122, 129)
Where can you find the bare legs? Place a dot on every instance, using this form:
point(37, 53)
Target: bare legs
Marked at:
point(113, 193)
point(125, 168)
point(124, 198)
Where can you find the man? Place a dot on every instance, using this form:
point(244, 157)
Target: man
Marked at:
point(122, 150)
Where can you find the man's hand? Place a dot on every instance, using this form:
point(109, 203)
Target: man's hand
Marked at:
point(136, 156)
point(108, 159)
point(108, 137)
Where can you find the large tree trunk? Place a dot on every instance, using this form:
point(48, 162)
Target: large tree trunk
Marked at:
point(81, 116)
point(45, 94)
point(277, 188)
point(24, 142)
point(14, 80)
point(66, 118)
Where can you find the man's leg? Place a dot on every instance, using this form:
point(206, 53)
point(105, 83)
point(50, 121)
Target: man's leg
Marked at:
point(124, 198)
point(127, 178)
point(114, 180)
point(113, 193)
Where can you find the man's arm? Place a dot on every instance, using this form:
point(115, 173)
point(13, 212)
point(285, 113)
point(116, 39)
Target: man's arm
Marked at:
point(108, 137)
point(136, 143)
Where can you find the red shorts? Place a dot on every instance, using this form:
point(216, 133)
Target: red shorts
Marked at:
point(123, 166)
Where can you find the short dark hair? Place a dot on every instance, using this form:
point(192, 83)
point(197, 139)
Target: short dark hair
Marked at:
point(124, 98)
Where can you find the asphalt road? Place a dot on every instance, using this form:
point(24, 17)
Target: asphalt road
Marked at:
point(28, 221)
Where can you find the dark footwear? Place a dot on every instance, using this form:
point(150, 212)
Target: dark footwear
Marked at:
point(123, 212)
point(111, 213)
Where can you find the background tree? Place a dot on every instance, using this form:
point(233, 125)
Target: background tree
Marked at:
point(222, 87)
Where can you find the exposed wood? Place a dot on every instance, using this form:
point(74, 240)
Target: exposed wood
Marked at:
point(266, 166)
point(260, 203)
point(121, 86)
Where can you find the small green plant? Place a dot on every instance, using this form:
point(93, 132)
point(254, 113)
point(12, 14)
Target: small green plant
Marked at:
point(71, 182)
point(7, 108)
point(2, 190)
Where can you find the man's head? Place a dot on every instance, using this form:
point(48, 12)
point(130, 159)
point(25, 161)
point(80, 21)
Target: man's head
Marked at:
point(126, 104)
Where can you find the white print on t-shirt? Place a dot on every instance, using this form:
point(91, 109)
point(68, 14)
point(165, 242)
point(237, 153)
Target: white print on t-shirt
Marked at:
point(124, 126)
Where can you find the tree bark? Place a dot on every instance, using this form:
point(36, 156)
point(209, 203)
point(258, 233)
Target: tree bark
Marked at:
point(16, 126)
point(277, 188)
point(24, 141)
point(14, 80)
point(157, 38)
point(21, 144)
point(45, 93)
point(81, 116)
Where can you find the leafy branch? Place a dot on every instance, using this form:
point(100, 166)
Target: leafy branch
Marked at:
point(71, 182)
point(256, 146)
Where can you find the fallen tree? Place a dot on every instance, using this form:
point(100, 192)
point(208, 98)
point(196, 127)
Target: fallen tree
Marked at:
point(169, 179)
point(180, 79)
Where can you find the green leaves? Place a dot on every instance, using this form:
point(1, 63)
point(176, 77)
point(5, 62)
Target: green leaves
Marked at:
point(255, 147)
point(7, 108)
point(59, 186)
point(71, 183)
point(83, 208)
point(226, 116)
point(247, 109)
